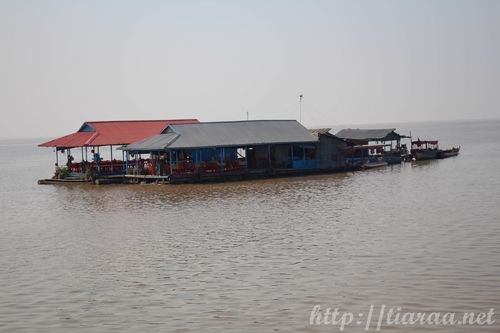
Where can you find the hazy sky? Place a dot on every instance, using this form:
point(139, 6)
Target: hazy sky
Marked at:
point(64, 62)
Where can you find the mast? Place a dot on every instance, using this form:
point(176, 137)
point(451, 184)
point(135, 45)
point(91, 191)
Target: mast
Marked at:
point(300, 107)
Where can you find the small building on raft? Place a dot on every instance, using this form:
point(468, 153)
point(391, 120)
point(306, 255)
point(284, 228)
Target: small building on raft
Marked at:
point(235, 150)
point(93, 137)
point(373, 145)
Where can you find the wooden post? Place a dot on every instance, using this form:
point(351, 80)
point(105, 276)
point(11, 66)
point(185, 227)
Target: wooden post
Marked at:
point(98, 161)
point(137, 156)
point(221, 153)
point(246, 158)
point(196, 161)
point(111, 156)
point(170, 162)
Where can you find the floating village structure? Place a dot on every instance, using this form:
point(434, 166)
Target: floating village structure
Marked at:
point(186, 150)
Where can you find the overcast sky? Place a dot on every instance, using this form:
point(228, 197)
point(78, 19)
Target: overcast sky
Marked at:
point(64, 62)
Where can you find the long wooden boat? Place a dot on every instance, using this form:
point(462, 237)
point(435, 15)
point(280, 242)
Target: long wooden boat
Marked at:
point(425, 150)
point(429, 150)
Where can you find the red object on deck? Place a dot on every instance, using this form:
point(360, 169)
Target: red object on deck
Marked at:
point(114, 132)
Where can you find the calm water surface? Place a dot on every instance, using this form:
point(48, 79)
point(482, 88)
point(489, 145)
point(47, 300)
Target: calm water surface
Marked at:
point(252, 256)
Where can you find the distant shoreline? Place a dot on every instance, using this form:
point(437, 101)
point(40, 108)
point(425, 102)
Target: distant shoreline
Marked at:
point(30, 140)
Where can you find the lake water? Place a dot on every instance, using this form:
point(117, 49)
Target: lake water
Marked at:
point(253, 256)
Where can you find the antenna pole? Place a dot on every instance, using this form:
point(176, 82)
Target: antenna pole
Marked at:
point(300, 107)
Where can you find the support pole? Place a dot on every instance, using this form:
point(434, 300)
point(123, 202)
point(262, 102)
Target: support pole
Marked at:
point(158, 164)
point(221, 153)
point(126, 160)
point(170, 163)
point(57, 158)
point(246, 158)
point(300, 107)
point(196, 160)
point(111, 156)
point(137, 157)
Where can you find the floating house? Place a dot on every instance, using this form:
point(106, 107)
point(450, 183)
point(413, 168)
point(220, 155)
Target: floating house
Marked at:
point(224, 150)
point(372, 145)
point(93, 135)
point(186, 150)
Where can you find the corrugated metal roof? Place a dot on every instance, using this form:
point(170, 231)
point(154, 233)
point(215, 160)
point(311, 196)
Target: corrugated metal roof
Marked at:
point(76, 139)
point(120, 132)
point(367, 134)
point(224, 134)
point(153, 143)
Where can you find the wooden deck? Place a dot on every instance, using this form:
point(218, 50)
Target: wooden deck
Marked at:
point(195, 177)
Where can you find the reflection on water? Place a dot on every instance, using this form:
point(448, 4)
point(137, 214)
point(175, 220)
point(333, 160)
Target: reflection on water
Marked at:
point(250, 256)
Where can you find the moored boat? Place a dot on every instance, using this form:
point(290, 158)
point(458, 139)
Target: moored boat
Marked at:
point(425, 150)
point(366, 156)
point(428, 150)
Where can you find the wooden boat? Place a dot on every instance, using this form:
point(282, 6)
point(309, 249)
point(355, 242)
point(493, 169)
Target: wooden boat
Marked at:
point(449, 152)
point(428, 150)
point(425, 150)
point(366, 156)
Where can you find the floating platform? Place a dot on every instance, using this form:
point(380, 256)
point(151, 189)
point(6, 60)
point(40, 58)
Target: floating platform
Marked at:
point(200, 178)
point(61, 181)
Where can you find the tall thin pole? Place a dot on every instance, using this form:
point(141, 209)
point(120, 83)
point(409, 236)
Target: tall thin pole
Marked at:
point(300, 107)
point(247, 115)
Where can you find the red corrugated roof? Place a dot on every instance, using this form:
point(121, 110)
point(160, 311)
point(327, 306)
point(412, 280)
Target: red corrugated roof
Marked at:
point(118, 132)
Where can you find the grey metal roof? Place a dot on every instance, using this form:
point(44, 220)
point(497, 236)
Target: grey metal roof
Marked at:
point(153, 143)
point(369, 134)
point(225, 134)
